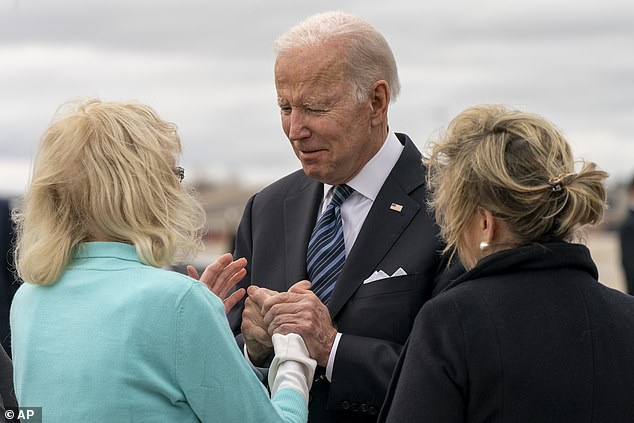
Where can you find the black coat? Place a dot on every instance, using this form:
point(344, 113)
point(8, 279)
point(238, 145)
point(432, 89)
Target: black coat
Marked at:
point(375, 319)
point(627, 251)
point(527, 336)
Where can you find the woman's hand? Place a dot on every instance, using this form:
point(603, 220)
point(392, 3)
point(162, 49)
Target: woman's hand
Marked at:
point(221, 276)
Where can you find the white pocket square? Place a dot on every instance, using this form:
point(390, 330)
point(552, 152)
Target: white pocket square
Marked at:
point(380, 274)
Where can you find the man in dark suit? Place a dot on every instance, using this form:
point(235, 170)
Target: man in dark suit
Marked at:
point(353, 221)
point(627, 242)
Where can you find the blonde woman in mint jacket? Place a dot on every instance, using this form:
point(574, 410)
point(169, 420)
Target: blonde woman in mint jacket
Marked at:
point(100, 332)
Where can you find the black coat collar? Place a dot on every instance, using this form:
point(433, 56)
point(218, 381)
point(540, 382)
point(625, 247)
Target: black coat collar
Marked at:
point(531, 257)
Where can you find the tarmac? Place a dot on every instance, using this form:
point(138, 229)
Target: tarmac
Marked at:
point(606, 252)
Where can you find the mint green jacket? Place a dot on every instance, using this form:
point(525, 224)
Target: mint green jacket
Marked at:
point(115, 340)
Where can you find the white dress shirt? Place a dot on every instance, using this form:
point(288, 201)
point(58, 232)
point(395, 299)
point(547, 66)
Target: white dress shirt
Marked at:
point(366, 184)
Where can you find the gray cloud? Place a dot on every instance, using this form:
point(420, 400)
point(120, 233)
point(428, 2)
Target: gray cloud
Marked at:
point(208, 67)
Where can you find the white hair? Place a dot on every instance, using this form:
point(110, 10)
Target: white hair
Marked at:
point(369, 57)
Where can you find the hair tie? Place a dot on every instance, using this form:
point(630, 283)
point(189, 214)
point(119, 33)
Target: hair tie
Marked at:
point(557, 182)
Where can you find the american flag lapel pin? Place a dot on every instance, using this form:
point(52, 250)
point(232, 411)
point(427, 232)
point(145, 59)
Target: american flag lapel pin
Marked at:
point(396, 207)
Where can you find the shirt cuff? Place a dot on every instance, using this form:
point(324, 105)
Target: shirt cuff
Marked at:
point(331, 357)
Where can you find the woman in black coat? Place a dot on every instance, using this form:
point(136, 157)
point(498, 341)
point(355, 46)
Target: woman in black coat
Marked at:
point(527, 334)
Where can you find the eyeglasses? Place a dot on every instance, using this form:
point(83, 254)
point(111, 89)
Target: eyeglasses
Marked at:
point(180, 173)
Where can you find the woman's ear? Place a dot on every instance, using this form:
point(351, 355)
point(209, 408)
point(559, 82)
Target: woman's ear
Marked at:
point(488, 224)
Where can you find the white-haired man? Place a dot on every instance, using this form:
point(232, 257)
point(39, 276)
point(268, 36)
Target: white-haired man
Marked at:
point(353, 221)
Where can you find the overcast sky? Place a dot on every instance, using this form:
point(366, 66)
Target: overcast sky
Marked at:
point(207, 66)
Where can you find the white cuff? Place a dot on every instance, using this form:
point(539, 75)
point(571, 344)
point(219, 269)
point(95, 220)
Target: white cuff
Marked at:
point(331, 357)
point(292, 366)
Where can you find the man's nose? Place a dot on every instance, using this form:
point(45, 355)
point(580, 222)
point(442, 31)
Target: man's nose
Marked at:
point(298, 128)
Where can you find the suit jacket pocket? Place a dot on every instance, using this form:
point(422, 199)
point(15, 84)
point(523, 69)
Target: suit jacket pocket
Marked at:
point(383, 309)
point(387, 286)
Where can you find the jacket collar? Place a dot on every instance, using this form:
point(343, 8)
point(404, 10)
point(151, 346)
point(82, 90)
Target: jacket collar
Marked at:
point(531, 257)
point(106, 250)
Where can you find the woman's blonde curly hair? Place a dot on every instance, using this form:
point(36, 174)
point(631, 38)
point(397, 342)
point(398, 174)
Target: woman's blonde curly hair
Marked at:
point(516, 165)
point(105, 171)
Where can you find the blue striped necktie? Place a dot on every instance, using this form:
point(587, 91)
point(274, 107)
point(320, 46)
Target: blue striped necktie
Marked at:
point(326, 248)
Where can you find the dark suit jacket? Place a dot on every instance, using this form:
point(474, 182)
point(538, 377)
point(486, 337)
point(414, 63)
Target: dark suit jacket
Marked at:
point(527, 336)
point(627, 251)
point(375, 319)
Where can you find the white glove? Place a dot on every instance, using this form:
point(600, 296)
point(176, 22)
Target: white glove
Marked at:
point(292, 366)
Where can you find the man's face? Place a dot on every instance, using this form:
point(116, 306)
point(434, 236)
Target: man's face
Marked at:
point(329, 130)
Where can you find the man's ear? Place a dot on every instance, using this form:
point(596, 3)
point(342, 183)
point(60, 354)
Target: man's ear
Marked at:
point(380, 99)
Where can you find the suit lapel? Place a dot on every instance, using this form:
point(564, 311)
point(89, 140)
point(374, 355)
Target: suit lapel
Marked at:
point(300, 215)
point(382, 226)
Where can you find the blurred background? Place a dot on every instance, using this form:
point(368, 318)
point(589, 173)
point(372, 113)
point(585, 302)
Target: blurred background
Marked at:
point(208, 67)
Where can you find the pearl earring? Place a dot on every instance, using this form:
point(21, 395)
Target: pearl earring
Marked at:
point(484, 245)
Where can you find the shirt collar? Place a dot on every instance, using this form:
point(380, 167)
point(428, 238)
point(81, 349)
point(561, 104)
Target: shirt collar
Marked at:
point(370, 179)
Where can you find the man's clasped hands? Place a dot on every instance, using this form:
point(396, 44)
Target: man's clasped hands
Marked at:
point(267, 312)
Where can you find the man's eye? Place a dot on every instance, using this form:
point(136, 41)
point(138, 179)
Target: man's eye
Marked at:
point(285, 109)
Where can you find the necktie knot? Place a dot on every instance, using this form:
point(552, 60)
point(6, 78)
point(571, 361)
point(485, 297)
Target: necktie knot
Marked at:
point(340, 193)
